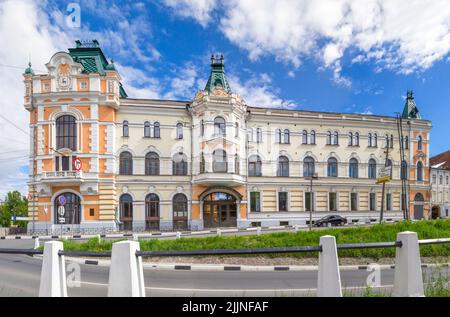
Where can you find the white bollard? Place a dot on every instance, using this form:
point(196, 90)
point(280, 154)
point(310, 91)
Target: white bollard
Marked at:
point(219, 232)
point(126, 275)
point(53, 273)
point(178, 234)
point(329, 281)
point(135, 237)
point(36, 243)
point(296, 228)
point(258, 231)
point(408, 280)
point(99, 238)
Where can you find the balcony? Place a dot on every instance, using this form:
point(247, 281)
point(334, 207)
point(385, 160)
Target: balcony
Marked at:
point(219, 179)
point(63, 177)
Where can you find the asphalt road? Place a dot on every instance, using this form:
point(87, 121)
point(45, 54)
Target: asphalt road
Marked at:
point(20, 274)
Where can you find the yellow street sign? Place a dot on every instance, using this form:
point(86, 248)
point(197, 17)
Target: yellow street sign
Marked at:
point(384, 179)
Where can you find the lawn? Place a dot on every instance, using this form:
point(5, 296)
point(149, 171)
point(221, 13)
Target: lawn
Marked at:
point(376, 233)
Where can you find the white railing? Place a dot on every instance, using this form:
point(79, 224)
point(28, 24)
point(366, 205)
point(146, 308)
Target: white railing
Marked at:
point(64, 174)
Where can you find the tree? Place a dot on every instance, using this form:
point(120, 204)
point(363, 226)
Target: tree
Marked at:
point(15, 204)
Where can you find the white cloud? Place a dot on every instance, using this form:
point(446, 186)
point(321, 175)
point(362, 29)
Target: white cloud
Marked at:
point(259, 93)
point(200, 10)
point(35, 30)
point(401, 35)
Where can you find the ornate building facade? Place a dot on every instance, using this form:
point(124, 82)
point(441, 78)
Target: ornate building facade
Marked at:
point(213, 161)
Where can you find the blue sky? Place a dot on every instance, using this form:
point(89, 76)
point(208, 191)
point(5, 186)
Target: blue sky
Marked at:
point(328, 55)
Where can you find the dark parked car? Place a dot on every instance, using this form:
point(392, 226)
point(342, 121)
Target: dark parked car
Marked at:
point(334, 220)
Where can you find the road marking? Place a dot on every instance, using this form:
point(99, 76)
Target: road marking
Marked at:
point(238, 290)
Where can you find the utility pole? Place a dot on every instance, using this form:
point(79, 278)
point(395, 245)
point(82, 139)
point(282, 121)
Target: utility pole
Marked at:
point(403, 168)
point(311, 198)
point(384, 183)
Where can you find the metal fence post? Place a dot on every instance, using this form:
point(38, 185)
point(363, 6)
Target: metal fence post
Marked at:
point(53, 273)
point(408, 280)
point(329, 280)
point(126, 275)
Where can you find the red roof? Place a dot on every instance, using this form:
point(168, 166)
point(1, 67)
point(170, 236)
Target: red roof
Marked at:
point(441, 158)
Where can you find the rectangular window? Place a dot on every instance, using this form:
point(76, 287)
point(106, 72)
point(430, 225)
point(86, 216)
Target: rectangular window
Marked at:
point(255, 202)
point(282, 201)
point(372, 202)
point(65, 163)
point(309, 201)
point(83, 85)
point(354, 202)
point(388, 202)
point(91, 212)
point(332, 201)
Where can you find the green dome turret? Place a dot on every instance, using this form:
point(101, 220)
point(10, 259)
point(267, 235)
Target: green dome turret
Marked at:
point(410, 111)
point(217, 77)
point(29, 70)
point(111, 66)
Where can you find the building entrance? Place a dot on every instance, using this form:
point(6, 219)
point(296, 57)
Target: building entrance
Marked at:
point(219, 210)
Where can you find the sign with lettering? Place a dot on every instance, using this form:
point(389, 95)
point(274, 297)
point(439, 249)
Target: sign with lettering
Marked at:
point(384, 175)
point(77, 164)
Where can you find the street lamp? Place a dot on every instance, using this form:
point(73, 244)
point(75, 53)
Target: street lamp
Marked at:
point(310, 178)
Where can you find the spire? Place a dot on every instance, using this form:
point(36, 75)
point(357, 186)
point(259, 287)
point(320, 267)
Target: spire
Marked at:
point(29, 70)
point(217, 77)
point(410, 111)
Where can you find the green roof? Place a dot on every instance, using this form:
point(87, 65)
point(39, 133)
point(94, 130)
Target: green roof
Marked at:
point(90, 55)
point(217, 77)
point(410, 111)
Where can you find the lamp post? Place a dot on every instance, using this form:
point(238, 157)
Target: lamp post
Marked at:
point(310, 178)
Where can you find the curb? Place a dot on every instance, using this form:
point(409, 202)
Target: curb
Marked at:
point(236, 268)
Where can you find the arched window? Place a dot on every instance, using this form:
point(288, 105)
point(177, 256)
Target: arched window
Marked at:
point(151, 163)
point(369, 139)
point(126, 163)
point(305, 137)
point(147, 129)
point(328, 137)
point(420, 171)
point(389, 164)
point(375, 140)
point(308, 166)
point(219, 126)
point(391, 143)
point(202, 128)
point(336, 138)
point(356, 141)
point(236, 164)
point(420, 143)
point(179, 164)
point(156, 132)
point(125, 129)
point(72, 209)
point(350, 139)
point(258, 135)
point(353, 168)
point(254, 166)
point(179, 131)
point(332, 167)
point(312, 137)
point(404, 170)
point(236, 131)
point(283, 166)
point(126, 211)
point(386, 141)
point(152, 212)
point(202, 163)
point(66, 133)
point(372, 169)
point(286, 138)
point(180, 211)
point(220, 161)
point(277, 136)
point(250, 135)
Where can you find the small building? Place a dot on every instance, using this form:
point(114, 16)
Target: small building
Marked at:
point(440, 185)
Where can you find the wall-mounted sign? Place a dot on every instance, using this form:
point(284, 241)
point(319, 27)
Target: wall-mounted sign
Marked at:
point(384, 175)
point(77, 164)
point(62, 200)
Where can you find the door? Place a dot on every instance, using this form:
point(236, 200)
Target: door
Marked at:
point(219, 210)
point(418, 206)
